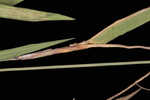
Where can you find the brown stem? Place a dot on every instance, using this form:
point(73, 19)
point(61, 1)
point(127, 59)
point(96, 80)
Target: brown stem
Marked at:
point(129, 96)
point(143, 88)
point(129, 87)
point(74, 47)
point(49, 52)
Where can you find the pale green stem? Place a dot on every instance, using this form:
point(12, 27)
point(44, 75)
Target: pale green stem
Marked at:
point(74, 66)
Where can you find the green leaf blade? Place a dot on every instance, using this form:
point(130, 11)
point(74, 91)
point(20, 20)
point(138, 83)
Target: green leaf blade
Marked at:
point(6, 55)
point(122, 26)
point(10, 2)
point(24, 14)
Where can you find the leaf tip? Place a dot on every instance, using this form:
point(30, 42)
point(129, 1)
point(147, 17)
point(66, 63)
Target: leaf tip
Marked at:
point(59, 17)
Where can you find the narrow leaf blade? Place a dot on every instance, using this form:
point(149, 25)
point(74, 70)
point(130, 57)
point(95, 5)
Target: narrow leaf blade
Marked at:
point(6, 55)
point(24, 14)
point(122, 26)
point(10, 2)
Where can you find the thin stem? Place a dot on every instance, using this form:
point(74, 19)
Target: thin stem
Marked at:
point(74, 47)
point(73, 66)
point(129, 96)
point(130, 86)
point(143, 88)
point(119, 46)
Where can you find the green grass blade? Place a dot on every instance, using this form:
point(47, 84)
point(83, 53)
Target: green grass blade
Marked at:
point(75, 66)
point(122, 26)
point(6, 55)
point(24, 14)
point(10, 2)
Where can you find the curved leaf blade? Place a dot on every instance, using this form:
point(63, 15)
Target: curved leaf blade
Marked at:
point(6, 55)
point(25, 14)
point(122, 26)
point(10, 2)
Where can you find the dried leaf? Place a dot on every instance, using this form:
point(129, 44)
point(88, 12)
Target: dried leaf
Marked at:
point(122, 26)
point(24, 14)
point(6, 55)
point(10, 2)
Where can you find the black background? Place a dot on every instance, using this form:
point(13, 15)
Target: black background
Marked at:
point(82, 83)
